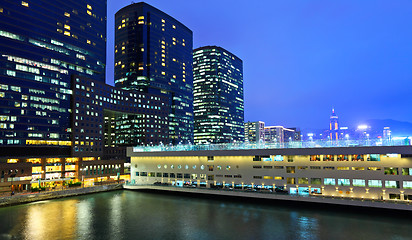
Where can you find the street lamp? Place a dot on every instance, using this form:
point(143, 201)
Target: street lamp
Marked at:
point(12, 178)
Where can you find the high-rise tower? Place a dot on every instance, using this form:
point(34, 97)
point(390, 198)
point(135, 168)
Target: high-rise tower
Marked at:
point(153, 54)
point(43, 44)
point(218, 96)
point(333, 126)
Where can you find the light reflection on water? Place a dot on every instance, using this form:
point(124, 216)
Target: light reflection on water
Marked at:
point(134, 215)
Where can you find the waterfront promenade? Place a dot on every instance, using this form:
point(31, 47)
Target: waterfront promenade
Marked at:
point(54, 194)
point(285, 198)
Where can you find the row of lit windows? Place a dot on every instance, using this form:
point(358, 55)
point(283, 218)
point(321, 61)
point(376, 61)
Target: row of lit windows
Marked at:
point(202, 167)
point(48, 142)
point(387, 170)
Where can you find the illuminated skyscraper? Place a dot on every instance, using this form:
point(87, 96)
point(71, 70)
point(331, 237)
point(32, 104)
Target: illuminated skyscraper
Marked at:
point(43, 44)
point(218, 96)
point(333, 126)
point(153, 54)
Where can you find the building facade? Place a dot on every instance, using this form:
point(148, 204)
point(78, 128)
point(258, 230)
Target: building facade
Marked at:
point(274, 134)
point(218, 96)
point(106, 119)
point(42, 44)
point(255, 132)
point(153, 54)
point(377, 172)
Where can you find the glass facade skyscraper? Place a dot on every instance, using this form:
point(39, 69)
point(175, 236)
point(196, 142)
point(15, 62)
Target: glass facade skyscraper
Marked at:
point(153, 54)
point(42, 45)
point(218, 96)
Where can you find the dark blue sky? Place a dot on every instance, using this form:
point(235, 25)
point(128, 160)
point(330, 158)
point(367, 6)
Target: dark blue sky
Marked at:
point(302, 58)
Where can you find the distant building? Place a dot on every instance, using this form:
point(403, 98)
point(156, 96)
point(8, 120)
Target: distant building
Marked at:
point(387, 134)
point(255, 132)
point(334, 126)
point(153, 54)
point(280, 134)
point(274, 134)
point(292, 134)
point(218, 96)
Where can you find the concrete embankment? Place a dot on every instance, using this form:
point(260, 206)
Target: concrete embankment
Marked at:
point(319, 202)
point(28, 198)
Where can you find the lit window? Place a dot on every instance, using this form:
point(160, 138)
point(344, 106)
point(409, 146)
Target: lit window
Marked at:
point(140, 17)
point(142, 49)
point(1, 10)
point(88, 12)
point(67, 27)
point(163, 64)
point(66, 33)
point(89, 7)
point(163, 73)
point(141, 22)
point(374, 183)
point(67, 14)
point(174, 27)
point(24, 3)
point(163, 21)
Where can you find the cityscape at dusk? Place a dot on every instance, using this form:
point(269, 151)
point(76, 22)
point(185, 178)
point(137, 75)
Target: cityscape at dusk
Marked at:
point(205, 120)
point(301, 59)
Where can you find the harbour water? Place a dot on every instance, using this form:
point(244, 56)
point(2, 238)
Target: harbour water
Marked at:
point(138, 215)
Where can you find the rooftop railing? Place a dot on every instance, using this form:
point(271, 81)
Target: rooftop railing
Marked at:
point(285, 145)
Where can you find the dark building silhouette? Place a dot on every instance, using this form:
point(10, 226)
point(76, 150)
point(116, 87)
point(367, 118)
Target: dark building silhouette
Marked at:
point(218, 96)
point(153, 54)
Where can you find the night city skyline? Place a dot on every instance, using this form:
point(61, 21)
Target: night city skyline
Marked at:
point(352, 56)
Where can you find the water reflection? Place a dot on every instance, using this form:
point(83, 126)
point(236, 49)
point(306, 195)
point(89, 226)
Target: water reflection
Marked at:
point(116, 217)
point(50, 220)
point(134, 215)
point(84, 220)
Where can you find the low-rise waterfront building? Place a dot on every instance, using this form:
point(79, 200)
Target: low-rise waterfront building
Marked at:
point(368, 172)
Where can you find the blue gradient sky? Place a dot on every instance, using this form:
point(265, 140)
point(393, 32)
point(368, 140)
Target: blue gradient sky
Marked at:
point(301, 58)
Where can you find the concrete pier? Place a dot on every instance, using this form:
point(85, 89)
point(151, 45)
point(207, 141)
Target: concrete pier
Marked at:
point(347, 202)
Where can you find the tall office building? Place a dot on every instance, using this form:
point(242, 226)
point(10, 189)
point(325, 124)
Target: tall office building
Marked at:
point(43, 44)
point(218, 96)
point(333, 126)
point(153, 54)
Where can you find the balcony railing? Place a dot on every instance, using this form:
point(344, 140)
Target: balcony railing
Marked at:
point(285, 145)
